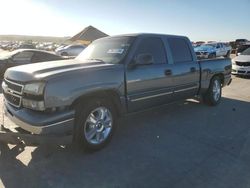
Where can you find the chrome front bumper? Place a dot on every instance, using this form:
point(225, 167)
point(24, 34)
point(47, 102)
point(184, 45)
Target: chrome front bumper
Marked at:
point(60, 123)
point(240, 70)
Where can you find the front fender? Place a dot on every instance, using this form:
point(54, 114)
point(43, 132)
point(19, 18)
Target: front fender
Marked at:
point(64, 90)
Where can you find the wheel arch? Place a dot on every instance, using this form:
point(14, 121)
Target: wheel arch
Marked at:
point(220, 76)
point(206, 83)
point(110, 94)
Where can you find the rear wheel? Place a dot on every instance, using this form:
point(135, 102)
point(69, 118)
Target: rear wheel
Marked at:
point(213, 95)
point(95, 123)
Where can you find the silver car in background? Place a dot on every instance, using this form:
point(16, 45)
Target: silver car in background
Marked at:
point(70, 50)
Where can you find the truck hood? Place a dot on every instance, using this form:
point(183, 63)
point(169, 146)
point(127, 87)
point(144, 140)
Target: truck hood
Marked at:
point(47, 70)
point(204, 49)
point(242, 58)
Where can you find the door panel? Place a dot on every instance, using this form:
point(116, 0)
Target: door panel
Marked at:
point(148, 86)
point(224, 49)
point(186, 76)
point(185, 70)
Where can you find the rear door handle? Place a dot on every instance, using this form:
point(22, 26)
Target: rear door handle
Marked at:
point(192, 69)
point(168, 72)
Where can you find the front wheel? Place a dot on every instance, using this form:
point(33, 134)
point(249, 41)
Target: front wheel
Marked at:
point(213, 95)
point(95, 123)
point(211, 56)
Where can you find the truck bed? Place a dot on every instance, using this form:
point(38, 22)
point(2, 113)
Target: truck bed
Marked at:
point(219, 66)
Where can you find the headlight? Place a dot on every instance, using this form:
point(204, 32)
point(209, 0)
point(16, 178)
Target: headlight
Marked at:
point(34, 88)
point(4, 85)
point(233, 62)
point(34, 105)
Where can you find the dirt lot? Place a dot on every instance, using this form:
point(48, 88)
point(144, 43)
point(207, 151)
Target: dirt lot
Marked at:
point(187, 144)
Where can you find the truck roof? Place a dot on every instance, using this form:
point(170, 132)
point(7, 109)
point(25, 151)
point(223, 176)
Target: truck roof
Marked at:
point(145, 34)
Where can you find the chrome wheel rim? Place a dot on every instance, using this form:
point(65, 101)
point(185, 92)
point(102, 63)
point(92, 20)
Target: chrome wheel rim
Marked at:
point(216, 90)
point(98, 125)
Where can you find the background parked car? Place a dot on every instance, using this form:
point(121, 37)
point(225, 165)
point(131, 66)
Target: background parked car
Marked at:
point(24, 56)
point(241, 63)
point(26, 46)
point(239, 42)
point(213, 50)
point(70, 50)
point(199, 43)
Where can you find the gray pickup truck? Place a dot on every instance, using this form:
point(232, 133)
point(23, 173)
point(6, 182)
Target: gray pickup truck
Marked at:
point(113, 76)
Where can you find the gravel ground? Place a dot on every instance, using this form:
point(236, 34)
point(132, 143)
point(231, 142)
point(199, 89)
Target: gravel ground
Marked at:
point(186, 144)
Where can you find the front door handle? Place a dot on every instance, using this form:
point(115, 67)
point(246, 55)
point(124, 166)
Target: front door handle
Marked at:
point(168, 72)
point(192, 69)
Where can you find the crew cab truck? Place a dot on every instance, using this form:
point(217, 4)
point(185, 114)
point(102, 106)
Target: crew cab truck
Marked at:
point(113, 76)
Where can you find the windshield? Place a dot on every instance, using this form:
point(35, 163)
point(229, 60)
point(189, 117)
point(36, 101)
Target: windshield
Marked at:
point(211, 45)
point(246, 52)
point(203, 47)
point(108, 50)
point(8, 54)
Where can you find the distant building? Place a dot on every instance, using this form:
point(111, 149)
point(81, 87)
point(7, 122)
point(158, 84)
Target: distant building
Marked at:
point(87, 35)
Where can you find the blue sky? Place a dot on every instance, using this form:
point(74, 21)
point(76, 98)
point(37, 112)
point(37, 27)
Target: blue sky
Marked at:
point(220, 20)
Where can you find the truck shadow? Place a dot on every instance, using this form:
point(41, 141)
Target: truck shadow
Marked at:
point(151, 147)
point(243, 77)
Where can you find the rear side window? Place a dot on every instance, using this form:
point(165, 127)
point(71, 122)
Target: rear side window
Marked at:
point(180, 50)
point(153, 46)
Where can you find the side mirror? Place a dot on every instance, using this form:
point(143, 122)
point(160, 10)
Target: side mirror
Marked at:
point(144, 59)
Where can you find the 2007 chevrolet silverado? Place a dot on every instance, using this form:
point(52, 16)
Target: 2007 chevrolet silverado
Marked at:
point(112, 76)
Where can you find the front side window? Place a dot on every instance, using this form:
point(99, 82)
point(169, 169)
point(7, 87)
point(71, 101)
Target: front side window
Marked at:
point(155, 47)
point(180, 50)
point(109, 50)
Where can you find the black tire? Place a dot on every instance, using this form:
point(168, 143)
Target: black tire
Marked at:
point(83, 111)
point(64, 54)
point(227, 55)
point(211, 56)
point(210, 97)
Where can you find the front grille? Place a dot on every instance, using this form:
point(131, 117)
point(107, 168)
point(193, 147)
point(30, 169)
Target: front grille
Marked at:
point(244, 64)
point(241, 71)
point(14, 100)
point(201, 53)
point(17, 88)
point(13, 93)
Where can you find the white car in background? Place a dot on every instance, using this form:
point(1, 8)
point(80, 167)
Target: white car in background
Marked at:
point(213, 50)
point(70, 50)
point(241, 63)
